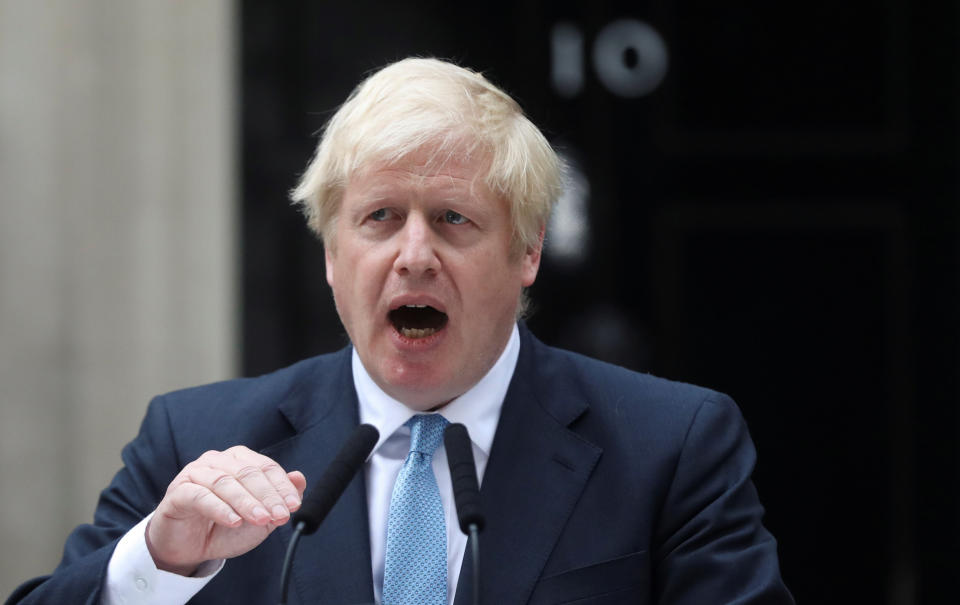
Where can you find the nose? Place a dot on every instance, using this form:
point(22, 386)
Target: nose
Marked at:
point(418, 253)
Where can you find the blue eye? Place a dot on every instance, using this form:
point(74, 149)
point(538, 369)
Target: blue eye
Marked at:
point(454, 218)
point(379, 215)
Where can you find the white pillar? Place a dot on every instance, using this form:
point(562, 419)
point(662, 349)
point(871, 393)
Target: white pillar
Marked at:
point(117, 242)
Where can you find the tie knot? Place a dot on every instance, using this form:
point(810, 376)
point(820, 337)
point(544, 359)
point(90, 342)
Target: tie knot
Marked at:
point(426, 432)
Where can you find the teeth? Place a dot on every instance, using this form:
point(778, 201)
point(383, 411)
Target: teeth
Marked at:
point(417, 332)
point(416, 306)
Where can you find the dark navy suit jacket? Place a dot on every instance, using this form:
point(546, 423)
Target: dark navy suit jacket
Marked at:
point(603, 486)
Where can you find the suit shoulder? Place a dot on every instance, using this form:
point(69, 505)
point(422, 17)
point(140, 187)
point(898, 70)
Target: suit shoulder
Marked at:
point(240, 394)
point(251, 411)
point(605, 376)
point(618, 394)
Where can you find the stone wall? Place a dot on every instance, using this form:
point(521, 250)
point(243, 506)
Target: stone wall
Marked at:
point(118, 264)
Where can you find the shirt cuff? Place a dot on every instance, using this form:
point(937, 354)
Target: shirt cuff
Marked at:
point(133, 578)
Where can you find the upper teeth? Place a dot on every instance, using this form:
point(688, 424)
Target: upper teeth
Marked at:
point(416, 306)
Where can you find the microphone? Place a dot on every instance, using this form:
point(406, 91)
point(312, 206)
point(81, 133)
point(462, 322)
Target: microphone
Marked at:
point(466, 493)
point(317, 504)
point(463, 477)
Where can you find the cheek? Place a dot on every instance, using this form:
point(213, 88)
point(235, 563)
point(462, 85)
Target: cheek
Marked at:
point(497, 287)
point(341, 285)
point(360, 278)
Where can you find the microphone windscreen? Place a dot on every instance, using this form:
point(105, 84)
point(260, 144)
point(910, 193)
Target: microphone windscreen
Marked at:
point(335, 479)
point(463, 476)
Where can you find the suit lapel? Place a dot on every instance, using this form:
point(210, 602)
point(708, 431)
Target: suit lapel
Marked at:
point(537, 470)
point(332, 565)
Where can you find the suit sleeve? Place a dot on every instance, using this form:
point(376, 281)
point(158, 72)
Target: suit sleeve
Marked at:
point(712, 546)
point(150, 463)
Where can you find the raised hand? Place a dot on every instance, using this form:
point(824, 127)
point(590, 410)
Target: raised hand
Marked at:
point(219, 506)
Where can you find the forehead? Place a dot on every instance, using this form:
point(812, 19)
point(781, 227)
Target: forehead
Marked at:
point(426, 171)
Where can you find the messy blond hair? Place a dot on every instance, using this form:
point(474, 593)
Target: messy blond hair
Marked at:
point(420, 103)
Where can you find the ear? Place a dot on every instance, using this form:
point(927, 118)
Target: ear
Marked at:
point(328, 259)
point(531, 261)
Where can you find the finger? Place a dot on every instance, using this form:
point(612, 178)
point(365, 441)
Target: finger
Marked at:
point(266, 480)
point(299, 481)
point(194, 499)
point(261, 477)
point(232, 490)
point(282, 483)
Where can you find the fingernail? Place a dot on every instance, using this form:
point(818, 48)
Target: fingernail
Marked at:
point(233, 518)
point(280, 513)
point(260, 513)
point(292, 502)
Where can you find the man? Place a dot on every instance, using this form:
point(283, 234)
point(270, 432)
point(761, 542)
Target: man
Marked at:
point(431, 191)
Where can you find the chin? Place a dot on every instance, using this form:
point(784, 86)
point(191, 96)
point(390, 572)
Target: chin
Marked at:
point(422, 393)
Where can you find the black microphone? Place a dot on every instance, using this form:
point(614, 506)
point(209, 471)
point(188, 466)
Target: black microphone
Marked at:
point(317, 504)
point(466, 493)
point(463, 476)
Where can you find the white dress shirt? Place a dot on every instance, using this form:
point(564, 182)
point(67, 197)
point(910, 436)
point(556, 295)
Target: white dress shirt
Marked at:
point(133, 578)
point(478, 409)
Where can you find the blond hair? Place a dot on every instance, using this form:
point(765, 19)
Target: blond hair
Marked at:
point(422, 103)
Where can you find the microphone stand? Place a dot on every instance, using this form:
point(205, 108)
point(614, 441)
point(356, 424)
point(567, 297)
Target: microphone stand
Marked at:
point(475, 552)
point(325, 494)
point(288, 560)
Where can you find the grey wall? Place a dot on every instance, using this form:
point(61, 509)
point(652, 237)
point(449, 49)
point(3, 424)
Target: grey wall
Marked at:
point(117, 251)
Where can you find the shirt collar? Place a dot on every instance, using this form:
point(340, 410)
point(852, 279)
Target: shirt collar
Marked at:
point(478, 409)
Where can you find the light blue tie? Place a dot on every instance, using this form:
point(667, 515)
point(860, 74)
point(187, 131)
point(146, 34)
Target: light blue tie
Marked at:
point(415, 570)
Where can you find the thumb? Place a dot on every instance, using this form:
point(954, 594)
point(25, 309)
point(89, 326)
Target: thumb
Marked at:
point(298, 480)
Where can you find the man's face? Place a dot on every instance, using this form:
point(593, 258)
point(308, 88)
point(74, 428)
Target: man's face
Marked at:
point(422, 276)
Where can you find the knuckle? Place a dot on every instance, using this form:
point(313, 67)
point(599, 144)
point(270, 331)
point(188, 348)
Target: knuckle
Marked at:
point(270, 466)
point(207, 459)
point(222, 480)
point(199, 496)
point(247, 472)
point(174, 486)
point(237, 450)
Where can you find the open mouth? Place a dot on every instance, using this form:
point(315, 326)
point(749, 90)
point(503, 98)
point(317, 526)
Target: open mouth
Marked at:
point(417, 321)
